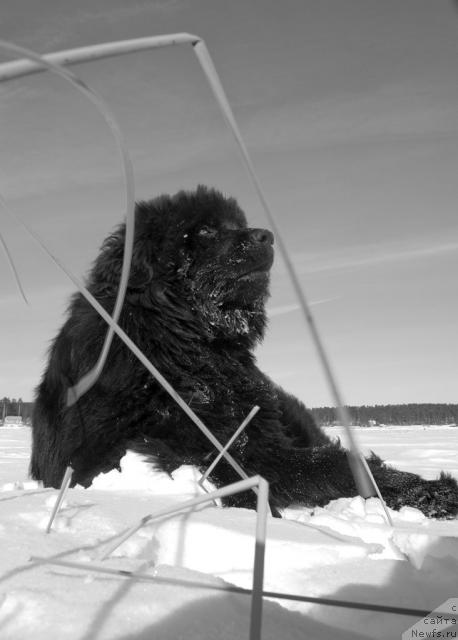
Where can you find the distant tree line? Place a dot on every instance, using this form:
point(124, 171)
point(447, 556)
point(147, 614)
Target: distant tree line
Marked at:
point(325, 416)
point(392, 414)
point(16, 407)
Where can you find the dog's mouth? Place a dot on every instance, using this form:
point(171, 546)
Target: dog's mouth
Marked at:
point(259, 270)
point(254, 274)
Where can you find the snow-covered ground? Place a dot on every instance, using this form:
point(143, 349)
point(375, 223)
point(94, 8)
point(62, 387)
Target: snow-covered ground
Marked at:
point(344, 552)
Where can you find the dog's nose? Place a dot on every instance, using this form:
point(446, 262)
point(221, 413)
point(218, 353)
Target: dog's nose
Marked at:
point(262, 236)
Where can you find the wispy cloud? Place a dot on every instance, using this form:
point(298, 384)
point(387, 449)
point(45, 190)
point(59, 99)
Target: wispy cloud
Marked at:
point(7, 92)
point(387, 113)
point(370, 255)
point(281, 310)
point(290, 308)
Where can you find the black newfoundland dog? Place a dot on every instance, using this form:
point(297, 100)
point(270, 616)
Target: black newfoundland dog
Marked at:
point(195, 306)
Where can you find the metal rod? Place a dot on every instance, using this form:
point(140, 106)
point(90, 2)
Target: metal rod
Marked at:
point(36, 61)
point(12, 266)
point(345, 604)
point(227, 446)
point(259, 556)
point(236, 487)
point(18, 68)
point(365, 464)
point(60, 498)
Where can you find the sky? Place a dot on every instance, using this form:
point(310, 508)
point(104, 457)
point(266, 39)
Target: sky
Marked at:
point(350, 113)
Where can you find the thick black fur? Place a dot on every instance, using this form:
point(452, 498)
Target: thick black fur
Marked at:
point(195, 306)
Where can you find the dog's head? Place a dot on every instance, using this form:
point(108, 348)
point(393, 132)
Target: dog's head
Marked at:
point(195, 249)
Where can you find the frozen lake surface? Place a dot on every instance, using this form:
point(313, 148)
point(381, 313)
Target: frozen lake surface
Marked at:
point(425, 450)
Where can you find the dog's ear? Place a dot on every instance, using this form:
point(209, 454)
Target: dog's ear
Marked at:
point(106, 269)
point(141, 269)
point(105, 274)
point(140, 277)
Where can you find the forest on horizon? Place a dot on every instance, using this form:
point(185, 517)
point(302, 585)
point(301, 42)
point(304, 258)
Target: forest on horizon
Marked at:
point(365, 415)
point(392, 414)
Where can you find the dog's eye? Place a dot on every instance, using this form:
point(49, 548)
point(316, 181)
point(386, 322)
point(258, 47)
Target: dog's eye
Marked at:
point(207, 232)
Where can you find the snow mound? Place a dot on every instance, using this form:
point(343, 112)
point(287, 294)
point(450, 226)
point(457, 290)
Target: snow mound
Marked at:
point(20, 486)
point(139, 474)
point(413, 534)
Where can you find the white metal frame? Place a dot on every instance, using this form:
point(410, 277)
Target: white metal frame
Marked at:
point(228, 445)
